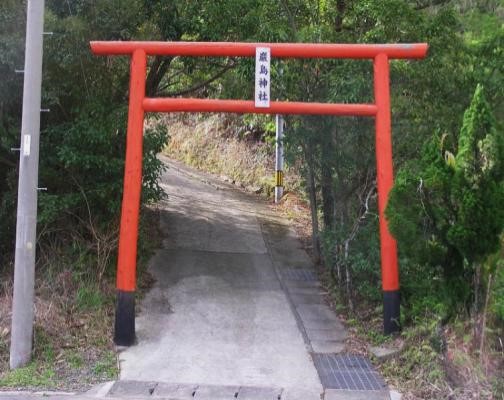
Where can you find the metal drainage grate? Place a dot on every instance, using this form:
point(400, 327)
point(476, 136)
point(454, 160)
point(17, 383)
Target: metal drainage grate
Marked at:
point(347, 372)
point(297, 274)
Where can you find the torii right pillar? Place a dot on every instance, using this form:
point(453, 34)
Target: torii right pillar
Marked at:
point(385, 181)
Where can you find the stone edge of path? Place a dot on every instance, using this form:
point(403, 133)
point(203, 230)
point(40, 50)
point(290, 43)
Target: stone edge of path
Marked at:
point(141, 390)
point(322, 330)
point(103, 391)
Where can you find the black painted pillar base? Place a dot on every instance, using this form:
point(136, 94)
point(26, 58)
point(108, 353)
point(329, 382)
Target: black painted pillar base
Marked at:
point(391, 312)
point(124, 334)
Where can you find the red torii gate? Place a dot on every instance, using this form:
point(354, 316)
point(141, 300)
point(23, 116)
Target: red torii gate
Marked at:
point(139, 104)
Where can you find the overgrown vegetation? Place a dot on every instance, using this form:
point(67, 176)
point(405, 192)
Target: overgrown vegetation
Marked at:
point(74, 314)
point(73, 318)
point(239, 149)
point(81, 165)
point(446, 209)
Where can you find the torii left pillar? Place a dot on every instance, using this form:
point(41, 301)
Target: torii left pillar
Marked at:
point(124, 334)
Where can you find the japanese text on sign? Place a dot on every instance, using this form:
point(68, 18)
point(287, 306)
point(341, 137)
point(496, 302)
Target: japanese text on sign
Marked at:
point(262, 77)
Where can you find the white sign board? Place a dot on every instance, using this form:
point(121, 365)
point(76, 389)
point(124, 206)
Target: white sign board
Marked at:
point(26, 145)
point(263, 77)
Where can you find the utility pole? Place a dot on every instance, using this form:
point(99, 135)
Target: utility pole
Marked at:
point(26, 228)
point(279, 158)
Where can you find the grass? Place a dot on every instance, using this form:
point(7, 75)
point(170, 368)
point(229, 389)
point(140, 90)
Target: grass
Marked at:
point(74, 359)
point(4, 348)
point(106, 368)
point(89, 297)
point(417, 370)
point(67, 350)
point(73, 347)
point(434, 362)
point(29, 376)
point(38, 373)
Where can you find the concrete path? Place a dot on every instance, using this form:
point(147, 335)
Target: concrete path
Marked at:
point(217, 314)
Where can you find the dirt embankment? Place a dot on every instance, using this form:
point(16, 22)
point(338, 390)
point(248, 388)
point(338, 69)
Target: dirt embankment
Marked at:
point(228, 146)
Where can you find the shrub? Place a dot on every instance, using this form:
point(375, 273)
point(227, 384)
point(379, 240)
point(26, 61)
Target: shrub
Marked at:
point(446, 210)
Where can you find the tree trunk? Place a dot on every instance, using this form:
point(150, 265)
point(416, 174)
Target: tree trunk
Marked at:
point(338, 21)
point(313, 208)
point(483, 322)
point(156, 74)
point(477, 279)
point(327, 197)
point(348, 279)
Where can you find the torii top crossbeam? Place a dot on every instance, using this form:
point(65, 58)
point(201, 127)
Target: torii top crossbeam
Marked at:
point(278, 50)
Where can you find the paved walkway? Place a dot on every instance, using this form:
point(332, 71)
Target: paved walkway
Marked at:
point(217, 314)
point(237, 311)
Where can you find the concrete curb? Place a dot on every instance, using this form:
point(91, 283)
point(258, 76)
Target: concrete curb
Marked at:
point(100, 390)
point(44, 393)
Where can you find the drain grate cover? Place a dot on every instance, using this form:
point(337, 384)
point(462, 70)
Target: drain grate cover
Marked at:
point(348, 372)
point(297, 274)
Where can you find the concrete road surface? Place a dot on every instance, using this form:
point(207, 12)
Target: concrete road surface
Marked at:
point(217, 314)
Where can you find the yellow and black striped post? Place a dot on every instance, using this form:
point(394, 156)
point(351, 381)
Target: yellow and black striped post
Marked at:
point(279, 158)
point(279, 178)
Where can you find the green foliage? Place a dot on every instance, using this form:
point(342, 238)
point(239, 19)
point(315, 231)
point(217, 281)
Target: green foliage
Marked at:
point(12, 20)
point(478, 183)
point(496, 264)
point(340, 152)
point(418, 365)
point(83, 137)
point(28, 376)
point(424, 298)
point(37, 373)
point(74, 359)
point(86, 166)
point(498, 305)
point(89, 298)
point(107, 367)
point(83, 169)
point(445, 210)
